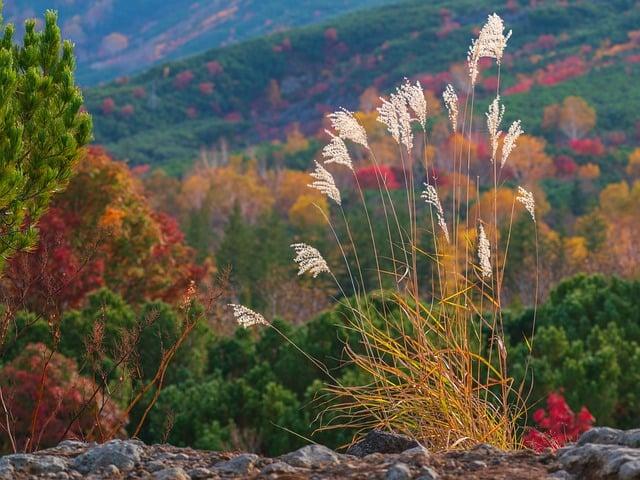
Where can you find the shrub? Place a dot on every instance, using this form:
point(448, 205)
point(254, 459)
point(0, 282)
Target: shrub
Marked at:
point(587, 344)
point(557, 425)
point(49, 401)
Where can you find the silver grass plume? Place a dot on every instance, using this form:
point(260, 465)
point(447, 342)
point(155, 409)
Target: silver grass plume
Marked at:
point(336, 152)
point(494, 119)
point(246, 317)
point(414, 96)
point(451, 101)
point(347, 127)
point(484, 253)
point(430, 196)
point(526, 198)
point(491, 43)
point(395, 115)
point(515, 130)
point(325, 183)
point(309, 260)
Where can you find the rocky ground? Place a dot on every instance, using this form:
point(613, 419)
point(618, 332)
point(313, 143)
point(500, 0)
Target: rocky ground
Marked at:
point(602, 453)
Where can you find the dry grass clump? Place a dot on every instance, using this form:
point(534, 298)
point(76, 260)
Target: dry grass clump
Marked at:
point(431, 350)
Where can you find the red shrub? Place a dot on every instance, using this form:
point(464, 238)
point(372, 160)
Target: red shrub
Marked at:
point(370, 176)
point(565, 165)
point(206, 88)
point(587, 146)
point(214, 67)
point(524, 85)
point(490, 83)
point(127, 110)
point(183, 79)
point(331, 34)
point(139, 92)
point(562, 70)
point(557, 425)
point(46, 386)
point(108, 106)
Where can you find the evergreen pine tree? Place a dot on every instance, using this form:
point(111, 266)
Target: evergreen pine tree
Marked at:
point(42, 128)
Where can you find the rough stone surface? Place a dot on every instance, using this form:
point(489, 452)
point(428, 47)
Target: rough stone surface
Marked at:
point(240, 465)
point(175, 473)
point(33, 464)
point(310, 456)
point(378, 441)
point(399, 471)
point(120, 453)
point(602, 454)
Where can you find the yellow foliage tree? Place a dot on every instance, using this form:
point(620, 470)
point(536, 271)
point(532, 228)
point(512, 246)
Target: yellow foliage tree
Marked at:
point(529, 161)
point(633, 167)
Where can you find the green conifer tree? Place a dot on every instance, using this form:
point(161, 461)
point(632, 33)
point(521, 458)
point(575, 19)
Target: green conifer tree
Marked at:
point(42, 128)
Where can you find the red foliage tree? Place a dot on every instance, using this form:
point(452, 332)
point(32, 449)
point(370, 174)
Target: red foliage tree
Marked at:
point(587, 146)
point(206, 88)
point(565, 165)
point(108, 106)
point(372, 177)
point(127, 110)
point(139, 92)
point(46, 397)
point(524, 85)
point(331, 35)
point(183, 79)
point(562, 70)
point(214, 67)
point(557, 425)
point(54, 277)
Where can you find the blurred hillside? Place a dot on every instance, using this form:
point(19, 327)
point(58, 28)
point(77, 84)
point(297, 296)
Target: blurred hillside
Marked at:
point(116, 37)
point(250, 92)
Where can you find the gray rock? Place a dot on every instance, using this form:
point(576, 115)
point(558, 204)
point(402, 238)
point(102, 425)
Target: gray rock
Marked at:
point(200, 473)
point(419, 454)
point(631, 438)
point(154, 466)
point(7, 472)
point(175, 473)
point(398, 471)
point(561, 475)
point(602, 436)
point(240, 465)
point(32, 464)
point(428, 473)
point(277, 467)
point(122, 454)
point(630, 471)
point(597, 461)
point(378, 441)
point(310, 456)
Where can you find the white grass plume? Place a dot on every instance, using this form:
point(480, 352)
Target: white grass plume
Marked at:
point(336, 152)
point(394, 114)
point(430, 196)
point(491, 42)
point(526, 198)
point(325, 183)
point(484, 253)
point(309, 260)
point(246, 317)
point(414, 96)
point(348, 128)
point(494, 119)
point(515, 130)
point(450, 98)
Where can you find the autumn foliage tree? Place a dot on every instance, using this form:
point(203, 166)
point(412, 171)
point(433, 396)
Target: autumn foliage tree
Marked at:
point(42, 128)
point(574, 117)
point(46, 397)
point(102, 231)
